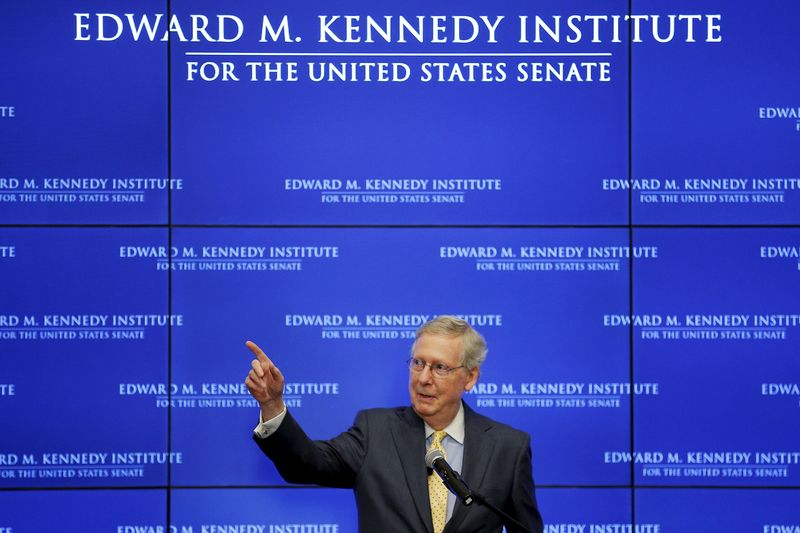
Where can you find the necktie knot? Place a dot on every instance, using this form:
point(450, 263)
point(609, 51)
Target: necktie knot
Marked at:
point(438, 437)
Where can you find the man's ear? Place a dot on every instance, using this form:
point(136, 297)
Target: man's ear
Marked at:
point(472, 378)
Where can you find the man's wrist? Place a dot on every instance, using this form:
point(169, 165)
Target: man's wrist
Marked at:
point(268, 426)
point(273, 409)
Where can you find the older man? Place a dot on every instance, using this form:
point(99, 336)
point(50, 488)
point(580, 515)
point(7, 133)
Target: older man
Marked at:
point(382, 455)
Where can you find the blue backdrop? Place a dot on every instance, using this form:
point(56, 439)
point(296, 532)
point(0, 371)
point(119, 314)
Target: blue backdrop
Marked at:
point(614, 204)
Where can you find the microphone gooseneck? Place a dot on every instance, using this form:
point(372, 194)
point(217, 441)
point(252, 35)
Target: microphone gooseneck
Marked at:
point(435, 460)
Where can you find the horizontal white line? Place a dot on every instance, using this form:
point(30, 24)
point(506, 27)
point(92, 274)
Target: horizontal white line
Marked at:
point(78, 467)
point(59, 191)
point(548, 260)
point(401, 54)
point(690, 328)
point(223, 259)
point(367, 328)
point(720, 191)
point(207, 397)
point(551, 396)
point(725, 465)
point(393, 192)
point(58, 328)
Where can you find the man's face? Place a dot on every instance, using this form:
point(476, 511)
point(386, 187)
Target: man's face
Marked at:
point(436, 398)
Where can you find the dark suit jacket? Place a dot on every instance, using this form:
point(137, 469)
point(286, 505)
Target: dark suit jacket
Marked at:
point(382, 457)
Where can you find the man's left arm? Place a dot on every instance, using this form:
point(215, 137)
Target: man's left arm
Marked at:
point(523, 506)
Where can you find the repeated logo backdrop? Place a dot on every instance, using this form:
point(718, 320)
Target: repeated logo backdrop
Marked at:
point(614, 204)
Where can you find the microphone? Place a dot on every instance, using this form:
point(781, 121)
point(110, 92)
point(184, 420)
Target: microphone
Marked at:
point(435, 459)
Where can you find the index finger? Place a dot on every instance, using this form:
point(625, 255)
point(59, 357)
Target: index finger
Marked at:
point(258, 352)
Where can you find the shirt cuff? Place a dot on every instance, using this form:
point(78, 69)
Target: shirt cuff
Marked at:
point(265, 429)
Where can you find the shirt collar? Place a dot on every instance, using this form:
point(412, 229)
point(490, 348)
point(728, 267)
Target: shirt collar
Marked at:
point(455, 429)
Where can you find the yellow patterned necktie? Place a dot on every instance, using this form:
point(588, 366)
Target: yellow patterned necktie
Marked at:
point(436, 489)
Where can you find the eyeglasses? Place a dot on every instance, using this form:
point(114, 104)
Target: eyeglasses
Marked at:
point(439, 369)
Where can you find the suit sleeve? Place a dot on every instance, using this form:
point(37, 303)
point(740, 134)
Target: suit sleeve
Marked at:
point(522, 505)
point(330, 463)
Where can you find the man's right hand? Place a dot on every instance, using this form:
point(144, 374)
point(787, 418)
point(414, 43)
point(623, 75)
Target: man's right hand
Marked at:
point(265, 383)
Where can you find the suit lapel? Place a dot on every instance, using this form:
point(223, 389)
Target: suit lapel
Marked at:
point(409, 439)
point(478, 448)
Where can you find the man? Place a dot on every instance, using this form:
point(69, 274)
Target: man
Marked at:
point(382, 456)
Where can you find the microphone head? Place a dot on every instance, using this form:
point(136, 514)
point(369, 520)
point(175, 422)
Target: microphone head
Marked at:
point(431, 456)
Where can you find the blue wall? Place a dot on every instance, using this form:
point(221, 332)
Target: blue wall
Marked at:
point(626, 236)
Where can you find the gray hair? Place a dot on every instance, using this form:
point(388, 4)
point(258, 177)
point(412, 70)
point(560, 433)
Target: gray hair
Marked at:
point(451, 326)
